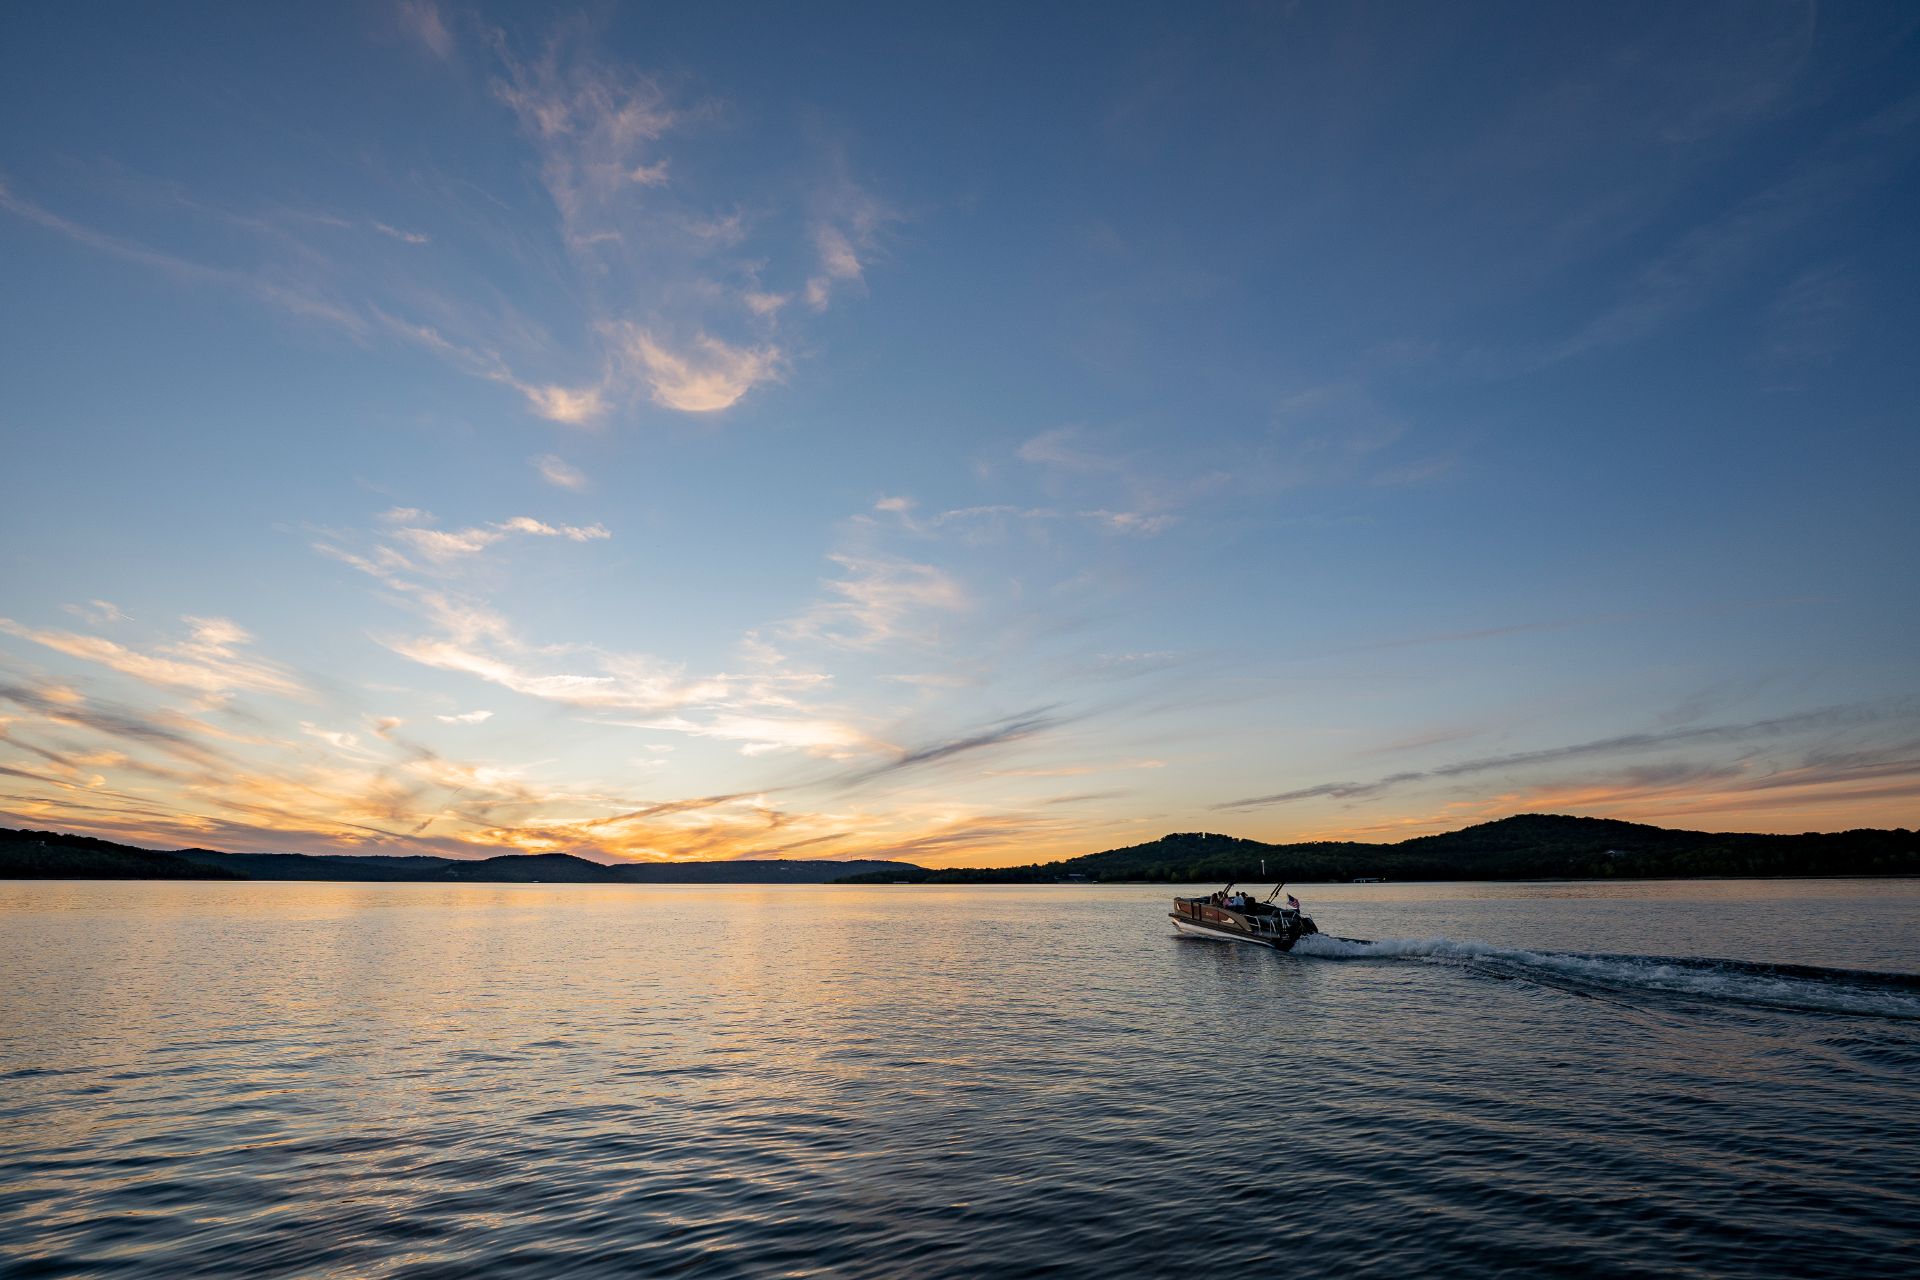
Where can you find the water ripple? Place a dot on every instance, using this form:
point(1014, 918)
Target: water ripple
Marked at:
point(567, 1081)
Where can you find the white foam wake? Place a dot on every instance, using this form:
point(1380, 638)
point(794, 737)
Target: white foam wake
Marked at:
point(1882, 995)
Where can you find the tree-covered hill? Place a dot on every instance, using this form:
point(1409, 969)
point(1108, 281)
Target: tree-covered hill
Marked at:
point(52, 855)
point(1524, 847)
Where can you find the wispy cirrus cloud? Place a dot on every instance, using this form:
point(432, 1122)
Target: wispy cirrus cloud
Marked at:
point(1133, 522)
point(443, 545)
point(1136, 493)
point(403, 236)
point(209, 661)
point(1706, 260)
point(1574, 622)
point(601, 132)
point(878, 600)
point(838, 265)
point(765, 304)
point(570, 405)
point(333, 788)
point(765, 732)
point(596, 126)
point(1321, 435)
point(97, 612)
point(320, 291)
point(668, 282)
point(765, 706)
point(1875, 784)
point(559, 473)
point(284, 293)
point(1005, 732)
point(422, 20)
point(983, 522)
point(1072, 447)
point(617, 682)
point(320, 789)
point(59, 704)
point(847, 224)
point(1774, 728)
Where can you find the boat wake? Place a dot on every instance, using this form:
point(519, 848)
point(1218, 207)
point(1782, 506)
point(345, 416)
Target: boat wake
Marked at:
point(1861, 992)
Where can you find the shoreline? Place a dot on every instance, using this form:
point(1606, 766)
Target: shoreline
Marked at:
point(940, 884)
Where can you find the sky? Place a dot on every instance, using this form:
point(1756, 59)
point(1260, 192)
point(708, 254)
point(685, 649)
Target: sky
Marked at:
point(968, 434)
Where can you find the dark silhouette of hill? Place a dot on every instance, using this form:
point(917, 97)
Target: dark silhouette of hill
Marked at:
point(764, 871)
point(49, 855)
point(53, 855)
point(1524, 847)
point(1534, 846)
point(322, 866)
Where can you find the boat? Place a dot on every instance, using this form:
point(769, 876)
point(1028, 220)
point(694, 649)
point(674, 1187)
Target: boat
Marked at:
point(1239, 917)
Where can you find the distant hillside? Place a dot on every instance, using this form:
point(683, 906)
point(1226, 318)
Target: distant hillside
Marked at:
point(48, 855)
point(302, 866)
point(765, 871)
point(1524, 847)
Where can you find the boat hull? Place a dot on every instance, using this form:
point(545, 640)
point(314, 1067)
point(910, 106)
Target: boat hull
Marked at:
point(1227, 933)
point(1191, 929)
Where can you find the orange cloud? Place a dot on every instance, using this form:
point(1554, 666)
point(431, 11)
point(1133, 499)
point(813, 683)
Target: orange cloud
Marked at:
point(208, 661)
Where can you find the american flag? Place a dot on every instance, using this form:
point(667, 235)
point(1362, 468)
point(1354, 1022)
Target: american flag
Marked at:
point(1293, 902)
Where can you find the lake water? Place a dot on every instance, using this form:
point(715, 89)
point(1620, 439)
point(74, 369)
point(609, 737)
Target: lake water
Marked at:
point(559, 1080)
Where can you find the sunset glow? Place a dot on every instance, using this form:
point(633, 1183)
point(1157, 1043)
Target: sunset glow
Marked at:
point(616, 436)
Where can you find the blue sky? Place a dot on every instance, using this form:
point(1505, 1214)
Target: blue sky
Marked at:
point(970, 435)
